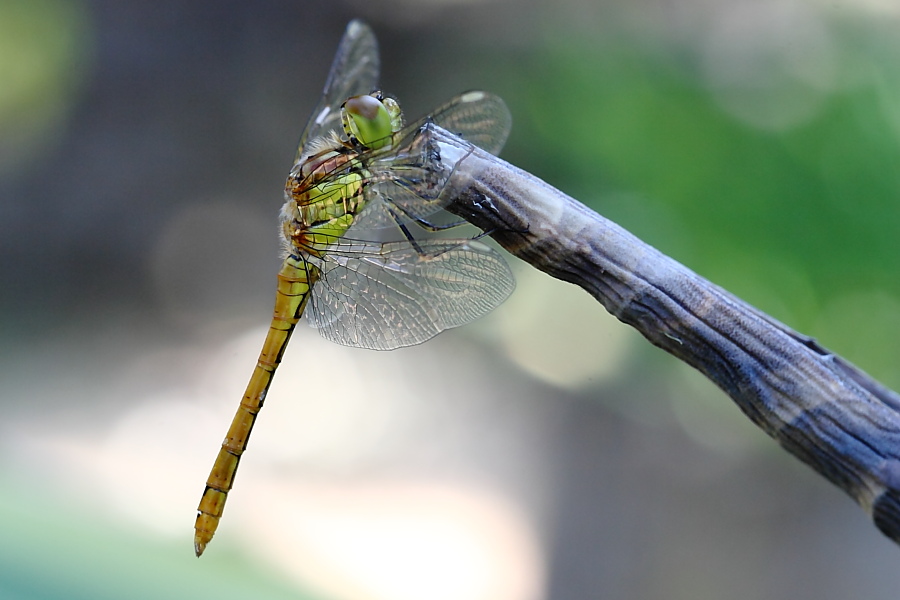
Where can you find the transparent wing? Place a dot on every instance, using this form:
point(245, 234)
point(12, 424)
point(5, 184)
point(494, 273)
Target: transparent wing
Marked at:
point(354, 72)
point(478, 117)
point(385, 296)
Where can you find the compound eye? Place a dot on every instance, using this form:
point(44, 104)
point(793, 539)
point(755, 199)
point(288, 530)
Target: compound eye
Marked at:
point(366, 121)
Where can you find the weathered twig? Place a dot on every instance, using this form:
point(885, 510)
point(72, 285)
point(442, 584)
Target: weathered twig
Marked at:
point(819, 407)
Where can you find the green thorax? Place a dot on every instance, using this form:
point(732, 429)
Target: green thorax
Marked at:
point(324, 191)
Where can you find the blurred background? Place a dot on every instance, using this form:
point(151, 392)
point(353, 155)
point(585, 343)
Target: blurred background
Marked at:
point(544, 452)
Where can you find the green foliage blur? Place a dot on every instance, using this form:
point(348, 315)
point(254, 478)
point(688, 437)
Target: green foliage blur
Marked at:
point(797, 218)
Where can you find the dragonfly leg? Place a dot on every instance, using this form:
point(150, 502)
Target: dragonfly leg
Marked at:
point(424, 224)
point(414, 242)
point(409, 237)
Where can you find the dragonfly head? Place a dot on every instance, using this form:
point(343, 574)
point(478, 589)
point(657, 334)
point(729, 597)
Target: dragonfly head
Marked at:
point(370, 121)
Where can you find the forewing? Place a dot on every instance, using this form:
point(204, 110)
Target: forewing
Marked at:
point(354, 72)
point(385, 296)
point(478, 117)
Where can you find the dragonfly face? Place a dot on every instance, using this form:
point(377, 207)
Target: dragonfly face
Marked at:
point(371, 121)
point(364, 247)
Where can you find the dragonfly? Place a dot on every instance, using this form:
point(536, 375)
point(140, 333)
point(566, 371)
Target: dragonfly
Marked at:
point(370, 255)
